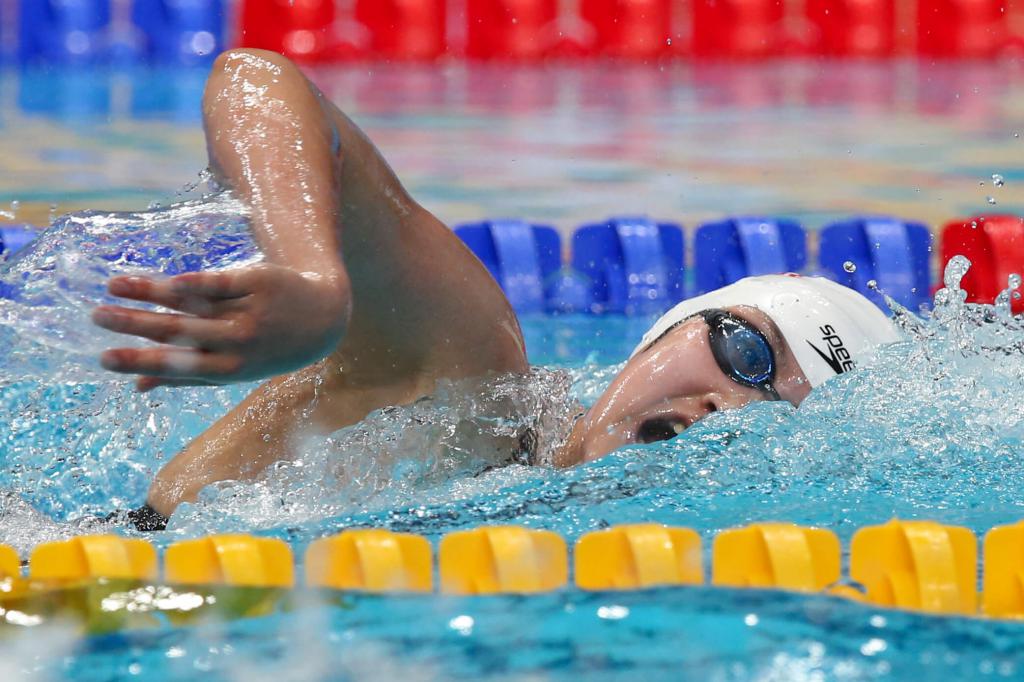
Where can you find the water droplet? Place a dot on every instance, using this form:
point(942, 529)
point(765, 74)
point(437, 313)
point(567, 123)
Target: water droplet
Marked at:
point(1016, 134)
point(991, 200)
point(1002, 301)
point(668, 41)
point(956, 268)
point(850, 266)
point(998, 180)
point(873, 285)
point(15, 205)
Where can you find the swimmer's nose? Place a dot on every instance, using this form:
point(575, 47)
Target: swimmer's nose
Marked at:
point(731, 399)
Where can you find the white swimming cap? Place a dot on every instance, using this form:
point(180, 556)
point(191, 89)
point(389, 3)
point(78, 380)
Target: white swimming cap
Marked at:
point(828, 327)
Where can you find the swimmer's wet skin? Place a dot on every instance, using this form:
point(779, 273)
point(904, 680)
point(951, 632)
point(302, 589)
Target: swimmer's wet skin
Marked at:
point(768, 337)
point(366, 300)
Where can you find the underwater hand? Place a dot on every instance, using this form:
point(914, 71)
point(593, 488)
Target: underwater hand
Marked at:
point(233, 325)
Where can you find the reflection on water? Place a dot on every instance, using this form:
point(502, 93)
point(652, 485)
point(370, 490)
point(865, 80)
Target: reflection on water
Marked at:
point(933, 427)
point(567, 143)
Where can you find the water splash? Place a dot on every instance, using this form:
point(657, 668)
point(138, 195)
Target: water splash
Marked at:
point(48, 290)
point(930, 427)
point(462, 441)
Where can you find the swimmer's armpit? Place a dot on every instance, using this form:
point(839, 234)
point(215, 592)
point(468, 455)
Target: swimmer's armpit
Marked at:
point(144, 519)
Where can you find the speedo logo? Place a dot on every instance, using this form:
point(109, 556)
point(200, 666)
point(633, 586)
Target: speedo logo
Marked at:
point(837, 357)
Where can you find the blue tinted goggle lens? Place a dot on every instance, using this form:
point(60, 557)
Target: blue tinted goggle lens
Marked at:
point(741, 350)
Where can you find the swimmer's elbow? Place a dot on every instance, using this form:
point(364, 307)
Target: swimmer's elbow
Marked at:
point(247, 59)
point(244, 70)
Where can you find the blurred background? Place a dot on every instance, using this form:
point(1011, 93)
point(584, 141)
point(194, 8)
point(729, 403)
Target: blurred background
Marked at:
point(560, 112)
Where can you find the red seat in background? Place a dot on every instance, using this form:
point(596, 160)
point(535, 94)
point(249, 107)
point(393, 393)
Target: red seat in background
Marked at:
point(995, 247)
point(635, 29)
point(404, 29)
point(738, 28)
point(962, 28)
point(511, 29)
point(312, 30)
point(299, 29)
point(851, 28)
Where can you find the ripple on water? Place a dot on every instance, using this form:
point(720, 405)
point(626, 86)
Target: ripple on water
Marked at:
point(930, 427)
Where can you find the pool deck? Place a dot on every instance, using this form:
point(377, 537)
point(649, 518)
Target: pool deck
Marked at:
point(567, 144)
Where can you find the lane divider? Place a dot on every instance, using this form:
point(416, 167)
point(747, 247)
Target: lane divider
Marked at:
point(912, 565)
point(371, 561)
point(917, 565)
point(638, 556)
point(10, 565)
point(502, 559)
point(1003, 577)
point(776, 555)
point(93, 556)
point(230, 560)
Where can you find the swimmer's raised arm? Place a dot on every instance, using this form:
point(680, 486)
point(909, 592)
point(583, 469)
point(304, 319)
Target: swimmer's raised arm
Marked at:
point(269, 141)
point(360, 280)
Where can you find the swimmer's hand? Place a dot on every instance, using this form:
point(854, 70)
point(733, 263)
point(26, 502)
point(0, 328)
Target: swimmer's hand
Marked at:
point(231, 326)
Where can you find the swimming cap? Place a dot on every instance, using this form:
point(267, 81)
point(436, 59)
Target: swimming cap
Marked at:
point(828, 327)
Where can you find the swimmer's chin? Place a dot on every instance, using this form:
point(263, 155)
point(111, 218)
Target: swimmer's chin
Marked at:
point(578, 449)
point(581, 449)
point(573, 452)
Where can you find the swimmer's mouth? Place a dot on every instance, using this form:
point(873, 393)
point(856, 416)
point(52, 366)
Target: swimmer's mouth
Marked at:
point(663, 427)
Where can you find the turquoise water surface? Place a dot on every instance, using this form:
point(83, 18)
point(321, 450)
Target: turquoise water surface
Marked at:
point(931, 428)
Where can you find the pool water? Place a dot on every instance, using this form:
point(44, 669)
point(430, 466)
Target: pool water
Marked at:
point(564, 143)
point(933, 427)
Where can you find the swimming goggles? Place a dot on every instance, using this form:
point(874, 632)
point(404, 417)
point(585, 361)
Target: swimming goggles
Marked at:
point(741, 350)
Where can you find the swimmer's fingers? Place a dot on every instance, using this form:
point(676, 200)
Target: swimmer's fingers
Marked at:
point(214, 285)
point(170, 328)
point(172, 363)
point(159, 292)
point(196, 293)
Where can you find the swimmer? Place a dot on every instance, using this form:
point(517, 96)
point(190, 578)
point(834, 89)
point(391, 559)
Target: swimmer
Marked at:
point(366, 300)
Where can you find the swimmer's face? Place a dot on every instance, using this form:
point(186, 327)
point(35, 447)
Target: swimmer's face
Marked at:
point(672, 384)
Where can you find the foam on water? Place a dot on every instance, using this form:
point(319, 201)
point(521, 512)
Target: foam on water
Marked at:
point(50, 288)
point(931, 427)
